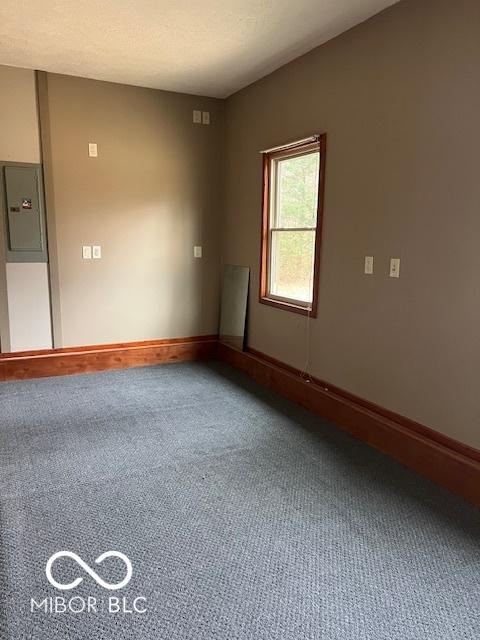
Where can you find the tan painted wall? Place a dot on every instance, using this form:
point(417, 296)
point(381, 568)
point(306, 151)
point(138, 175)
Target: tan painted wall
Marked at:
point(399, 97)
point(151, 195)
point(19, 139)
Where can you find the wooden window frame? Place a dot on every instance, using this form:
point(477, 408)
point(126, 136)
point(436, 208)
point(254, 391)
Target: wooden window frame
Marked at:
point(290, 150)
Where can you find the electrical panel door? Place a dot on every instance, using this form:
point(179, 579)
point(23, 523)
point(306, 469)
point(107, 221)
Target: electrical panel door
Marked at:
point(25, 226)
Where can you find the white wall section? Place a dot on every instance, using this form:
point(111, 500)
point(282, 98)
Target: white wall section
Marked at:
point(28, 306)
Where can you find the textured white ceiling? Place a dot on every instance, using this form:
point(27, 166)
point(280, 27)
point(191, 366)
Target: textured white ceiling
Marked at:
point(208, 47)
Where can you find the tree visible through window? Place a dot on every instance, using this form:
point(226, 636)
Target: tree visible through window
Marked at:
point(293, 186)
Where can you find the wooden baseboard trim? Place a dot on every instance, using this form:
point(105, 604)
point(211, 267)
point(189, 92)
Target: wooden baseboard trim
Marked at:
point(72, 360)
point(447, 462)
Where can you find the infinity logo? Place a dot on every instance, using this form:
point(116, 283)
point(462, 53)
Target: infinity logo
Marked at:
point(87, 569)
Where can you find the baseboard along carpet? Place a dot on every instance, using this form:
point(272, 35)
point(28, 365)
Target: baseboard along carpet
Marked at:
point(244, 517)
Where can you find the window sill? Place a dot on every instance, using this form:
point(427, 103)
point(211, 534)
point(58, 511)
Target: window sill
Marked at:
point(288, 306)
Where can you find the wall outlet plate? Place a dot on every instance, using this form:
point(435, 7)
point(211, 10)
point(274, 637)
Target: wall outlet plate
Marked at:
point(197, 252)
point(395, 268)
point(92, 150)
point(369, 265)
point(87, 253)
point(197, 117)
point(96, 252)
point(206, 117)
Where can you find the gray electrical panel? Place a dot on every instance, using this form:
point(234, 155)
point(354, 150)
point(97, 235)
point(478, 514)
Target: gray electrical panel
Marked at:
point(24, 213)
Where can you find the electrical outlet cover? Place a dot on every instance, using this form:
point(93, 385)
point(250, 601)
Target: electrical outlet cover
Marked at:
point(369, 265)
point(395, 268)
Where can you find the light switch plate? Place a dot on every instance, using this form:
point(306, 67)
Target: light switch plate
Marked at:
point(96, 252)
point(197, 117)
point(206, 117)
point(92, 150)
point(395, 268)
point(369, 265)
point(197, 252)
point(87, 253)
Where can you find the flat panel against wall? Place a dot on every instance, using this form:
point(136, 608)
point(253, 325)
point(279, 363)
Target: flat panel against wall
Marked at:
point(28, 306)
point(24, 214)
point(234, 305)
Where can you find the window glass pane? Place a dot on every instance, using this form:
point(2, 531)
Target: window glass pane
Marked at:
point(297, 191)
point(291, 264)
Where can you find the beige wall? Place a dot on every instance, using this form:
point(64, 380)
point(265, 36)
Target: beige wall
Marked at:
point(399, 97)
point(151, 195)
point(19, 139)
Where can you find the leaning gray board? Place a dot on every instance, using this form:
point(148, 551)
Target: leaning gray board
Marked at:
point(21, 188)
point(234, 305)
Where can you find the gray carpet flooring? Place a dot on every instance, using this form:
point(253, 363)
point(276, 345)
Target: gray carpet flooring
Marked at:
point(244, 517)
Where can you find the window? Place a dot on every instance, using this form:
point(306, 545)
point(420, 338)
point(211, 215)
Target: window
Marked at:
point(293, 181)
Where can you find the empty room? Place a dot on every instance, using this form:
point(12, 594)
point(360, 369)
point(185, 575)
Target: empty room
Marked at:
point(239, 320)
